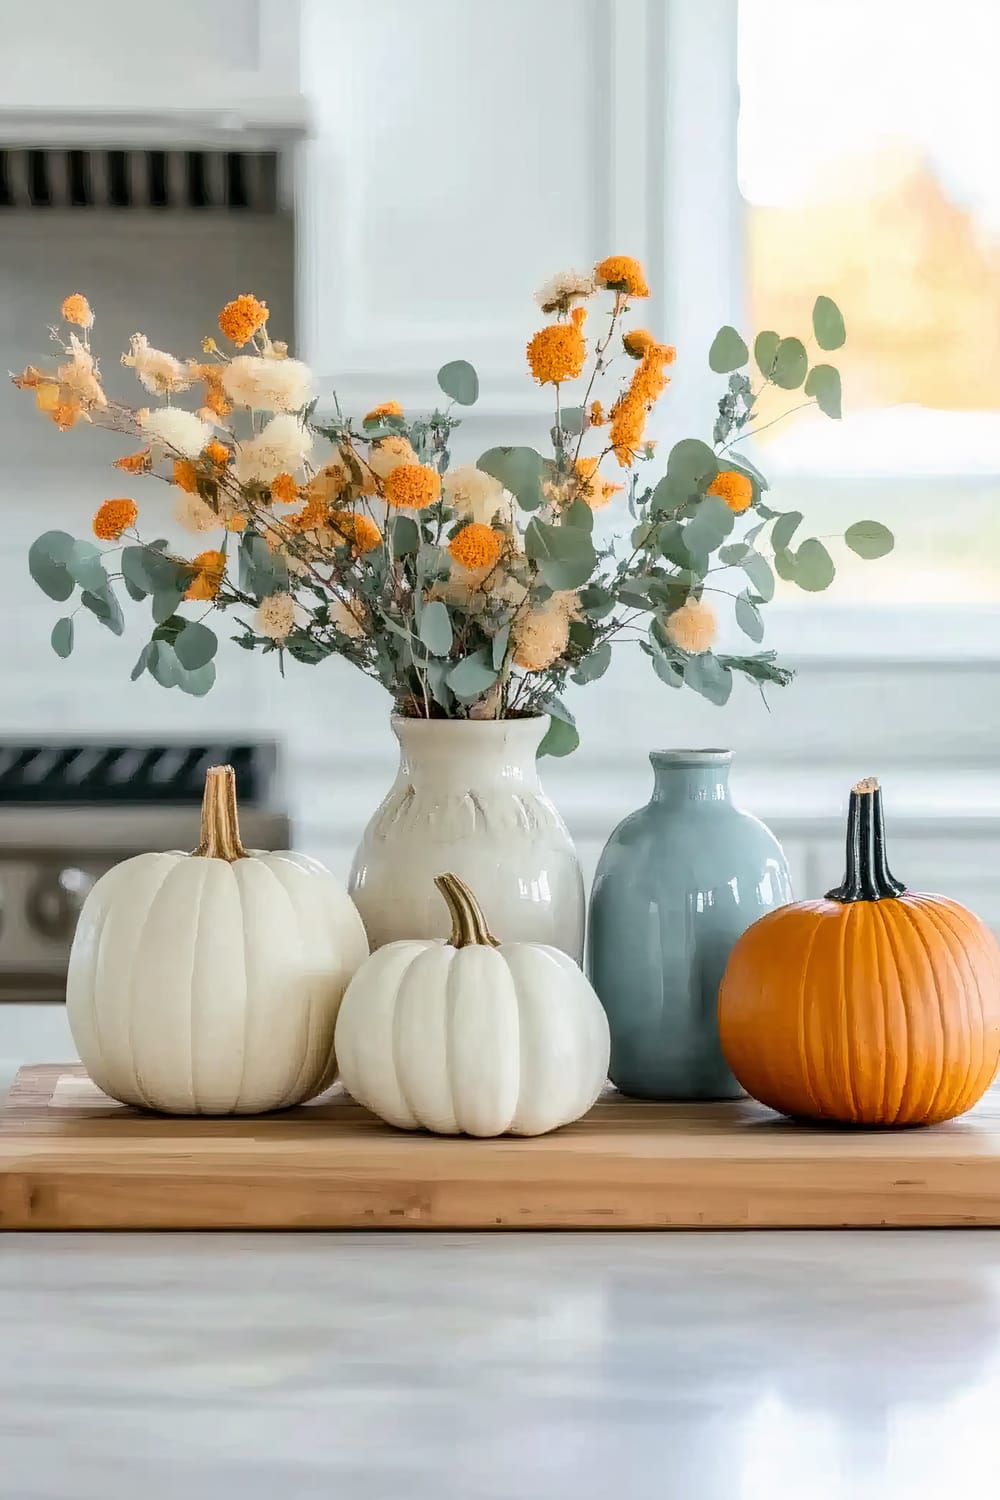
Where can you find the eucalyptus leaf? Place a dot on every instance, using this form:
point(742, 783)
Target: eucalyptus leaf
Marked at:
point(105, 607)
point(708, 527)
point(436, 673)
point(692, 465)
point(62, 637)
point(814, 570)
point(571, 420)
point(828, 323)
point(166, 600)
point(748, 617)
point(784, 529)
point(784, 564)
point(745, 466)
point(147, 570)
point(47, 558)
point(734, 553)
point(405, 536)
point(472, 676)
point(133, 591)
point(555, 706)
point(195, 645)
point(709, 677)
point(666, 670)
point(85, 567)
point(790, 364)
point(565, 554)
point(579, 514)
point(597, 601)
point(869, 539)
point(459, 381)
point(162, 664)
point(198, 682)
point(520, 470)
point(435, 628)
point(145, 656)
point(561, 738)
point(823, 383)
point(765, 350)
point(595, 665)
point(728, 351)
point(758, 570)
point(500, 643)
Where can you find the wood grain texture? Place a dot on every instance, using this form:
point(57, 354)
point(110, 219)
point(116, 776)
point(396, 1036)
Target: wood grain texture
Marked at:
point(70, 1158)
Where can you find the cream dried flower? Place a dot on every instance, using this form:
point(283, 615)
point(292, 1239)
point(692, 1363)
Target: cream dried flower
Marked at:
point(693, 627)
point(157, 370)
point(79, 375)
point(344, 617)
point(180, 431)
point(265, 384)
point(477, 495)
point(541, 634)
point(195, 514)
point(563, 289)
point(276, 616)
point(390, 454)
point(281, 448)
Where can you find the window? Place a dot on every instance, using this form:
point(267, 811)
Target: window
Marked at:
point(866, 161)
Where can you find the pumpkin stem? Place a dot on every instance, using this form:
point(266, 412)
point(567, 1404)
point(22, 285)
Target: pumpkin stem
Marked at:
point(868, 876)
point(220, 826)
point(468, 925)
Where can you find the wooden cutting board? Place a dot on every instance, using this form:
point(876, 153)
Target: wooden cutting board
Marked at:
point(70, 1158)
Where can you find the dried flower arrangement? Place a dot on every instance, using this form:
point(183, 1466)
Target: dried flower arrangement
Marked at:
point(474, 591)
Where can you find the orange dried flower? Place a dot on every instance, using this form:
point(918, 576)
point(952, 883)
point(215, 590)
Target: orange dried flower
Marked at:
point(236, 522)
point(360, 531)
point(284, 489)
point(186, 476)
point(29, 379)
point(733, 487)
point(207, 581)
point(76, 309)
point(242, 318)
point(135, 463)
point(649, 381)
point(628, 423)
point(557, 353)
point(114, 517)
point(328, 485)
point(217, 403)
point(621, 273)
point(384, 409)
point(636, 341)
point(217, 453)
point(597, 417)
point(578, 317)
point(475, 547)
point(412, 486)
point(592, 485)
point(693, 627)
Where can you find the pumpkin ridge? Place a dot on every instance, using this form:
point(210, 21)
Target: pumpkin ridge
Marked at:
point(912, 910)
point(974, 1063)
point(804, 1051)
point(985, 945)
point(140, 1086)
point(848, 928)
point(900, 962)
point(934, 914)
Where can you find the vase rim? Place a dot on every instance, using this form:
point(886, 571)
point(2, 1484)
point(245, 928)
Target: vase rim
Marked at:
point(660, 758)
point(477, 725)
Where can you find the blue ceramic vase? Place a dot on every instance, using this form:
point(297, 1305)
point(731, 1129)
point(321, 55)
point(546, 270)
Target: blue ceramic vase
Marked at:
point(677, 884)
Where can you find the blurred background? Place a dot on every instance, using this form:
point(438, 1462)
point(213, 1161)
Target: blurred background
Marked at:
point(395, 181)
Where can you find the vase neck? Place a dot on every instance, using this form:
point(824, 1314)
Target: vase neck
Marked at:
point(681, 776)
point(462, 754)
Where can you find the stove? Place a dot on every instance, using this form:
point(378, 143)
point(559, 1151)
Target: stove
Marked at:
point(69, 811)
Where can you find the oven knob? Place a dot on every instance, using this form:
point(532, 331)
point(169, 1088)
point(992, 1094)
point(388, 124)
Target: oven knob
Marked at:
point(55, 901)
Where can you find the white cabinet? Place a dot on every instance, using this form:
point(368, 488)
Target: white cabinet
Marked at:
point(126, 74)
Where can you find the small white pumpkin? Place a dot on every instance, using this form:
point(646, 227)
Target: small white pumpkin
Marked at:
point(472, 1036)
point(210, 983)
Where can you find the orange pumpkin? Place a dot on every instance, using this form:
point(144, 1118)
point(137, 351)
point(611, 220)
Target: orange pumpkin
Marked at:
point(874, 1006)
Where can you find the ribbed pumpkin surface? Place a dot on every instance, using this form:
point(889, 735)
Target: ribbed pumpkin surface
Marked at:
point(868, 1012)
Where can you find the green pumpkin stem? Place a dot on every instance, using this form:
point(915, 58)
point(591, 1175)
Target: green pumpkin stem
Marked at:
point(868, 876)
point(468, 925)
point(220, 824)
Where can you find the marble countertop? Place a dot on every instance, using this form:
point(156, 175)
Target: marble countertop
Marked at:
point(856, 1366)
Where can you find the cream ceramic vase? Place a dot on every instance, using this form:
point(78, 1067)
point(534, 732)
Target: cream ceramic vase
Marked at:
point(467, 799)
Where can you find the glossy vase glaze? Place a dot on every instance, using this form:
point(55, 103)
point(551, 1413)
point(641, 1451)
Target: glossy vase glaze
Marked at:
point(467, 801)
point(679, 881)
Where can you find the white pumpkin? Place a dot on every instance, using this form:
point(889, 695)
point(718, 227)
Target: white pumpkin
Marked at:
point(472, 1036)
point(210, 983)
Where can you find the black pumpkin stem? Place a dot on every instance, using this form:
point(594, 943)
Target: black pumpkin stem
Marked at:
point(868, 876)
